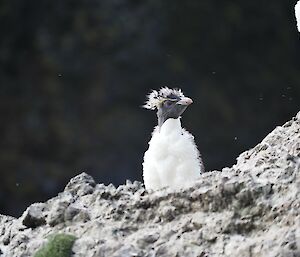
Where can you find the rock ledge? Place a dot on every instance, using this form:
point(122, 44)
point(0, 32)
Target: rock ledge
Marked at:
point(250, 209)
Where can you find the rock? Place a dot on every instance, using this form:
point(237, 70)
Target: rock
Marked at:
point(81, 185)
point(57, 214)
point(250, 209)
point(147, 239)
point(34, 217)
point(298, 115)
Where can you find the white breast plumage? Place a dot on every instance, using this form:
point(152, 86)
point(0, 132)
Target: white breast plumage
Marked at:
point(297, 13)
point(172, 158)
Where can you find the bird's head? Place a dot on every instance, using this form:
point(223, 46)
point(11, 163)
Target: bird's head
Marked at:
point(170, 103)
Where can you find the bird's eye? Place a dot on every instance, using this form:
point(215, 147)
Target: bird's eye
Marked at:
point(168, 103)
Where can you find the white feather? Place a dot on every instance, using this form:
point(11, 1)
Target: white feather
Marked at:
point(297, 13)
point(172, 158)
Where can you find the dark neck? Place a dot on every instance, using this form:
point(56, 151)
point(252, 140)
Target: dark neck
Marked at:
point(169, 113)
point(160, 120)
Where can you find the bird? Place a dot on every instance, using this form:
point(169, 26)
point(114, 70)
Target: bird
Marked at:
point(172, 159)
point(297, 14)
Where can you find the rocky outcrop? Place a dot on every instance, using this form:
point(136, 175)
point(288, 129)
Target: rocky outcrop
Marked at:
point(250, 209)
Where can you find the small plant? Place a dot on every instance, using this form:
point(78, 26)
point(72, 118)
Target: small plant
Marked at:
point(59, 245)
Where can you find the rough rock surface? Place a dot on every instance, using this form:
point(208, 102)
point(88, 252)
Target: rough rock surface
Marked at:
point(251, 209)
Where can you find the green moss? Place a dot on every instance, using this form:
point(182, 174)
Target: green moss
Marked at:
point(59, 245)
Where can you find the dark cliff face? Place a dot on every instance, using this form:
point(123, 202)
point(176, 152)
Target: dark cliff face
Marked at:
point(73, 75)
point(250, 209)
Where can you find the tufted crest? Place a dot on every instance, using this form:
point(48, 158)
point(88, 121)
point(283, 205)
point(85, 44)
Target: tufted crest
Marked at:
point(155, 98)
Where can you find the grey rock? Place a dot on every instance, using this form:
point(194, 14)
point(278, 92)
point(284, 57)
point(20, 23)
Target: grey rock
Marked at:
point(34, 217)
point(147, 240)
point(250, 209)
point(81, 185)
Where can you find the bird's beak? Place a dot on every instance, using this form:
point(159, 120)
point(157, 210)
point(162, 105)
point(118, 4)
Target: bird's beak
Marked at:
point(185, 101)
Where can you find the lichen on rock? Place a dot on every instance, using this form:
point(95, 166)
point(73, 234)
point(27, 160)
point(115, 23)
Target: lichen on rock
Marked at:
point(59, 245)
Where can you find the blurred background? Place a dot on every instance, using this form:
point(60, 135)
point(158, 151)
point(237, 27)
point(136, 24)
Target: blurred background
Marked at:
point(73, 75)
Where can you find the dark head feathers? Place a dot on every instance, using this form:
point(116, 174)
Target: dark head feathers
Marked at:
point(155, 98)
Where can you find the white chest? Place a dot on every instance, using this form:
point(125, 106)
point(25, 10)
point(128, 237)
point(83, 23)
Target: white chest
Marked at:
point(172, 158)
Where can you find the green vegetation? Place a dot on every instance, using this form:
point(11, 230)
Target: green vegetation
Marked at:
point(59, 245)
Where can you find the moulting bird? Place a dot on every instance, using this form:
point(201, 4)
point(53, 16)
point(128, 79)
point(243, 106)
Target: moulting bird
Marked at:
point(172, 158)
point(297, 14)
